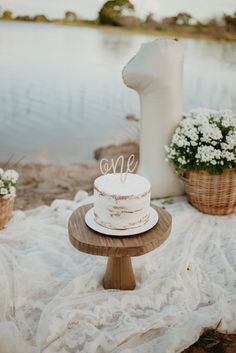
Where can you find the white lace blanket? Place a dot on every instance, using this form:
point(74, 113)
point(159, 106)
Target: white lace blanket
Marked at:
point(52, 299)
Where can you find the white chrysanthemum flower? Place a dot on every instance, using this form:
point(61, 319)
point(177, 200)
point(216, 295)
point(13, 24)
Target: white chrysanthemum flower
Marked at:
point(182, 160)
point(11, 193)
point(207, 153)
point(191, 133)
point(3, 191)
point(172, 153)
point(187, 123)
point(212, 133)
point(201, 116)
point(229, 156)
point(231, 140)
point(167, 149)
point(1, 183)
point(201, 120)
point(10, 175)
point(179, 140)
point(224, 146)
point(193, 143)
point(12, 190)
point(228, 118)
point(218, 154)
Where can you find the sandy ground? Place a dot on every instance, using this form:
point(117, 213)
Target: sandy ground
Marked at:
point(40, 184)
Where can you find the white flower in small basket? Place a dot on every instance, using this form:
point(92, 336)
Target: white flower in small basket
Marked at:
point(8, 180)
point(203, 152)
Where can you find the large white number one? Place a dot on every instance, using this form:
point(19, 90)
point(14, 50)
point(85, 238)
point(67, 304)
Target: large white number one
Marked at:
point(156, 74)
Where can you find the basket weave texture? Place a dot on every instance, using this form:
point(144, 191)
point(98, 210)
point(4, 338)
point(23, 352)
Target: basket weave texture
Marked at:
point(213, 194)
point(6, 207)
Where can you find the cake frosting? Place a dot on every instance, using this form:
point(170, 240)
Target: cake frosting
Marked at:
point(120, 205)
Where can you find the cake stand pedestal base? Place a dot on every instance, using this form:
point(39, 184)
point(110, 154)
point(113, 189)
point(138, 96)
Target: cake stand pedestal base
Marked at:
point(119, 250)
point(119, 274)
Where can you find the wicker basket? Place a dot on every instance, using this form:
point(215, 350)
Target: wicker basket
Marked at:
point(211, 193)
point(6, 207)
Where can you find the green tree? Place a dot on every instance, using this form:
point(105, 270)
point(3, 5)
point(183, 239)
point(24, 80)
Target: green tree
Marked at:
point(150, 21)
point(149, 17)
point(183, 18)
point(112, 11)
point(212, 23)
point(40, 18)
point(169, 21)
point(7, 15)
point(230, 22)
point(70, 16)
point(23, 18)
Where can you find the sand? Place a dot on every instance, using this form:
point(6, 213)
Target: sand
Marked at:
point(40, 184)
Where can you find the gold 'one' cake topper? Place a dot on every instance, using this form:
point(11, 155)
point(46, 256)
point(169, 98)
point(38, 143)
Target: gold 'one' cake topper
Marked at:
point(105, 167)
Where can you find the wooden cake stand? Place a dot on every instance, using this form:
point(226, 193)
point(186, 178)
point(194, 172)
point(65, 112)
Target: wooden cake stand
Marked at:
point(119, 273)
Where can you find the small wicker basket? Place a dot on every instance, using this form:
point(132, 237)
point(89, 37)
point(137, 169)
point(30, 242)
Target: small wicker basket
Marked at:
point(6, 207)
point(213, 194)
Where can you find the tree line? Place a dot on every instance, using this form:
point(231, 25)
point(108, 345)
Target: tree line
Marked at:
point(122, 13)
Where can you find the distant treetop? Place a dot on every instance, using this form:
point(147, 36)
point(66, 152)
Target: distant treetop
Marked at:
point(113, 10)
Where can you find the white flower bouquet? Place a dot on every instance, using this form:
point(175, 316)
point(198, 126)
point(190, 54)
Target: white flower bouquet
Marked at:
point(8, 180)
point(204, 140)
point(203, 152)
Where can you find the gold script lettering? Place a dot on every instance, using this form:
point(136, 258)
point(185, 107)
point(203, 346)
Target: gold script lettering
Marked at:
point(105, 167)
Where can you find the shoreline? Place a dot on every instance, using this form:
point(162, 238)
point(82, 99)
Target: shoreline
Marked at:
point(40, 184)
point(184, 33)
point(161, 33)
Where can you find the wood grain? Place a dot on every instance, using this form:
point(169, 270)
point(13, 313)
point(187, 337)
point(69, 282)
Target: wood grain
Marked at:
point(87, 240)
point(119, 274)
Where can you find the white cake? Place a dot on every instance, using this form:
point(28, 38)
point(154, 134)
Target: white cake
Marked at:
point(120, 205)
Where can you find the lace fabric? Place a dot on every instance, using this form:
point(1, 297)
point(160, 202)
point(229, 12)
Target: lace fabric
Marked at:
point(52, 299)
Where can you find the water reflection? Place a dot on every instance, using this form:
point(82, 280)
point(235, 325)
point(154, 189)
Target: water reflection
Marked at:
point(61, 92)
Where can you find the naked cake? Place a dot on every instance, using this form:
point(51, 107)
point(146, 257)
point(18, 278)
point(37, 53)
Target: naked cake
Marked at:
point(121, 205)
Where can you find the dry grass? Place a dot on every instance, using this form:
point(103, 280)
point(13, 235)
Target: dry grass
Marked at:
point(212, 341)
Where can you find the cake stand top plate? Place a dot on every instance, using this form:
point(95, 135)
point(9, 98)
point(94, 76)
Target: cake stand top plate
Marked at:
point(89, 241)
point(90, 221)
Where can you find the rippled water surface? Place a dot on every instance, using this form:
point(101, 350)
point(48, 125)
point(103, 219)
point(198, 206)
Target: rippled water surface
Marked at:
point(61, 92)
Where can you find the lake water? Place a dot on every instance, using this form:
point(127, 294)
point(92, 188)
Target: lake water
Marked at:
point(62, 96)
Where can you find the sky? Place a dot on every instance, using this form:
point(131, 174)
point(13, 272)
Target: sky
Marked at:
point(200, 9)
